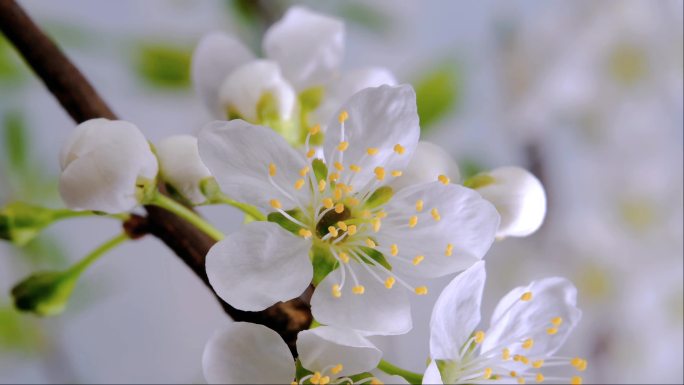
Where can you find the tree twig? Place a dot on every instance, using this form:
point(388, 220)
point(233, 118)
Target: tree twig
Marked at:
point(82, 102)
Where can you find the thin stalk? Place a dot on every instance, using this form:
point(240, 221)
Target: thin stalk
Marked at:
point(411, 377)
point(169, 204)
point(88, 260)
point(245, 208)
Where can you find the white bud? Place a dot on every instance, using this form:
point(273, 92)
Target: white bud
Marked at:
point(429, 161)
point(105, 164)
point(181, 166)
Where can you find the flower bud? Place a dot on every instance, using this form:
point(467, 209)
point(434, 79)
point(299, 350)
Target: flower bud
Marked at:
point(181, 167)
point(518, 196)
point(107, 165)
point(21, 222)
point(45, 293)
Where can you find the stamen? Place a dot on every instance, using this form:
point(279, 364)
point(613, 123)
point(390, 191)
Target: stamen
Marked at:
point(351, 201)
point(315, 129)
point(421, 290)
point(338, 166)
point(443, 179)
point(413, 221)
point(537, 364)
point(513, 373)
point(487, 373)
point(321, 185)
point(344, 257)
point(372, 151)
point(336, 291)
point(526, 296)
point(399, 149)
point(358, 289)
point(389, 282)
point(506, 354)
point(337, 194)
point(310, 154)
point(435, 214)
point(351, 230)
point(343, 146)
point(344, 115)
point(380, 173)
point(365, 214)
point(339, 208)
point(418, 259)
point(332, 230)
point(449, 250)
point(394, 250)
point(557, 321)
point(336, 369)
point(419, 205)
point(272, 169)
point(304, 171)
point(376, 225)
point(305, 233)
point(539, 377)
point(381, 215)
point(333, 176)
point(299, 184)
point(551, 331)
point(521, 380)
point(342, 226)
point(370, 243)
point(528, 343)
point(576, 380)
point(479, 336)
point(396, 173)
point(327, 203)
point(354, 168)
point(275, 204)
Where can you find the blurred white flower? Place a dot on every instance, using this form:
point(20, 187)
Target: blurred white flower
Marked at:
point(518, 196)
point(107, 165)
point(246, 353)
point(181, 166)
point(363, 236)
point(528, 326)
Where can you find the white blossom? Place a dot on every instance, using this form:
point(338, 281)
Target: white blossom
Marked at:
point(181, 166)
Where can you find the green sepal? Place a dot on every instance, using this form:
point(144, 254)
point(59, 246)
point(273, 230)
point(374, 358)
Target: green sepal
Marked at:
point(210, 188)
point(376, 256)
point(323, 263)
point(448, 370)
point(479, 181)
point(21, 222)
point(320, 169)
point(379, 197)
point(268, 115)
point(285, 223)
point(44, 293)
point(300, 371)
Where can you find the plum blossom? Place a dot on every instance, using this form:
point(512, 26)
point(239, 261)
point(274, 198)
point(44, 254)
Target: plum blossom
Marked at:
point(528, 326)
point(337, 220)
point(181, 166)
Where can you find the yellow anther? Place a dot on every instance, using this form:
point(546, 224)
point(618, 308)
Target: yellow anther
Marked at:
point(479, 336)
point(310, 153)
point(354, 168)
point(551, 331)
point(435, 214)
point(421, 290)
point(337, 193)
point(315, 129)
point(394, 249)
point(524, 360)
point(399, 149)
point(294, 383)
point(299, 184)
point(583, 366)
point(576, 380)
point(342, 226)
point(365, 214)
point(321, 185)
point(275, 204)
point(351, 229)
point(327, 203)
point(513, 373)
point(381, 214)
point(376, 381)
point(521, 380)
point(418, 259)
point(380, 173)
point(343, 146)
point(272, 169)
point(325, 380)
point(333, 176)
point(419, 205)
point(332, 230)
point(344, 115)
point(339, 208)
point(351, 201)
point(576, 362)
point(370, 243)
point(449, 250)
point(305, 233)
point(413, 221)
point(389, 282)
point(338, 166)
point(539, 377)
point(358, 289)
point(396, 173)
point(487, 373)
point(304, 171)
point(528, 343)
point(443, 179)
point(506, 354)
point(376, 225)
point(537, 364)
point(344, 257)
point(336, 292)
point(557, 321)
point(372, 151)
point(526, 296)
point(336, 369)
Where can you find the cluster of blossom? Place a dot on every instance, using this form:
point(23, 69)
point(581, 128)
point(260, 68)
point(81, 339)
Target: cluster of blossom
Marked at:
point(340, 194)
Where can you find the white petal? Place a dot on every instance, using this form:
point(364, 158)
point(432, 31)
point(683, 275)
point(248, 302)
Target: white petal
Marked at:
point(432, 375)
point(101, 162)
point(245, 87)
point(427, 164)
point(456, 313)
point(308, 46)
point(381, 118)
point(388, 378)
point(466, 222)
point(238, 154)
point(181, 166)
point(379, 311)
point(347, 85)
point(246, 353)
point(520, 199)
point(216, 56)
point(325, 346)
point(514, 320)
point(259, 265)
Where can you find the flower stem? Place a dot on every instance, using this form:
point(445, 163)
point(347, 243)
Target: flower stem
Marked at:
point(245, 208)
point(169, 204)
point(83, 264)
point(66, 214)
point(411, 377)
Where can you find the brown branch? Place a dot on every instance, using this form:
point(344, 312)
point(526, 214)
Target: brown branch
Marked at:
point(82, 102)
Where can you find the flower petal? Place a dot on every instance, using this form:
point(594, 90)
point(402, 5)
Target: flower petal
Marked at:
point(432, 374)
point(379, 311)
point(238, 154)
point(324, 346)
point(461, 236)
point(378, 118)
point(244, 88)
point(388, 378)
point(247, 353)
point(182, 167)
point(259, 265)
point(216, 56)
point(520, 199)
point(457, 313)
point(429, 161)
point(515, 320)
point(308, 46)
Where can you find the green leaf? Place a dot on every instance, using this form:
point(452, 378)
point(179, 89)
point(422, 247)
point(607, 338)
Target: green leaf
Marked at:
point(376, 256)
point(163, 65)
point(437, 94)
point(16, 141)
point(320, 169)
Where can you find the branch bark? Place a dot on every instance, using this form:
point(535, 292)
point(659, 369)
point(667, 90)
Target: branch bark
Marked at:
point(82, 102)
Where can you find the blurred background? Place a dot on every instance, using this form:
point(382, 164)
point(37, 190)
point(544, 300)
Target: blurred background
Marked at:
point(586, 94)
